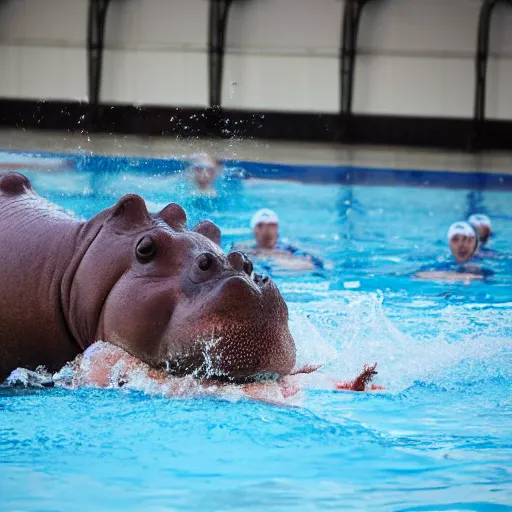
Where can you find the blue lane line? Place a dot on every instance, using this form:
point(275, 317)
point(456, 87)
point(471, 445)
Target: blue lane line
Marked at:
point(341, 174)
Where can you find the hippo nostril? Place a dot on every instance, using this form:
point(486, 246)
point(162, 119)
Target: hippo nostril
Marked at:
point(205, 261)
point(238, 260)
point(248, 266)
point(260, 278)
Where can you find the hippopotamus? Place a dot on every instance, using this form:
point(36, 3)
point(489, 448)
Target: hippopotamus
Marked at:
point(167, 295)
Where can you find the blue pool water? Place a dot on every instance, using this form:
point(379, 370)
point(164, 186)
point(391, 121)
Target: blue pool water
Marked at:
point(439, 437)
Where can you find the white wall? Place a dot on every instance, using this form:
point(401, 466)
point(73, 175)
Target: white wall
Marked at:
point(42, 49)
point(283, 55)
point(499, 67)
point(416, 57)
point(156, 52)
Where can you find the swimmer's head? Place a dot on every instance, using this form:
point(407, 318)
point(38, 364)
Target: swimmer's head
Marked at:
point(265, 226)
point(463, 241)
point(204, 169)
point(482, 225)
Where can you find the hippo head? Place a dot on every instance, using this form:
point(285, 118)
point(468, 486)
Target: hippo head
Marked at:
point(172, 298)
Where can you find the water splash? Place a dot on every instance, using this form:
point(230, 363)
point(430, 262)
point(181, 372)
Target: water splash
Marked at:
point(473, 339)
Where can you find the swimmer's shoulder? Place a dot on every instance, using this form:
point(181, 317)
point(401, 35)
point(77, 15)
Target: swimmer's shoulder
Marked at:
point(485, 252)
point(295, 251)
point(448, 269)
point(486, 272)
point(474, 266)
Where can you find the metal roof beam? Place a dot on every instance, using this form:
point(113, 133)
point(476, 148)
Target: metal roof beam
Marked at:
point(95, 43)
point(219, 10)
point(481, 58)
point(348, 52)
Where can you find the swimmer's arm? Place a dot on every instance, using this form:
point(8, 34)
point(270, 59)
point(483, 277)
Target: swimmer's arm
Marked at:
point(444, 275)
point(289, 262)
point(363, 382)
point(307, 256)
point(288, 386)
point(314, 260)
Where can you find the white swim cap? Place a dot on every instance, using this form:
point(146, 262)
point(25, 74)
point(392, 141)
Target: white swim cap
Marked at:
point(479, 219)
point(264, 216)
point(461, 228)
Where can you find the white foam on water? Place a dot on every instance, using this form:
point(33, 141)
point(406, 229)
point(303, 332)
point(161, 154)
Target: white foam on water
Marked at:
point(368, 335)
point(104, 365)
point(351, 285)
point(312, 348)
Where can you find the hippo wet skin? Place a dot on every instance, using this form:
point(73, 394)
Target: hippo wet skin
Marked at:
point(167, 295)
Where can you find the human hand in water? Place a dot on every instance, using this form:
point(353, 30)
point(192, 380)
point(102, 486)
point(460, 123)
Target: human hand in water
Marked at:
point(361, 382)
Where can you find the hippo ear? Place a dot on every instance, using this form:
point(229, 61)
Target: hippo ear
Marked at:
point(15, 184)
point(174, 215)
point(209, 230)
point(131, 211)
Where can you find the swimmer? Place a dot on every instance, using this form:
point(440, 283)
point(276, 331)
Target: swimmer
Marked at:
point(265, 226)
point(482, 225)
point(104, 365)
point(463, 243)
point(204, 169)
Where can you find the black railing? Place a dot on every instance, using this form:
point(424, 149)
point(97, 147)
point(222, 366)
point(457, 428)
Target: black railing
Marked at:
point(219, 10)
point(482, 55)
point(95, 44)
point(348, 51)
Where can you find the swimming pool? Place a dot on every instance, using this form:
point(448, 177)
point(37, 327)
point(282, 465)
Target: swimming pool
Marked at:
point(439, 438)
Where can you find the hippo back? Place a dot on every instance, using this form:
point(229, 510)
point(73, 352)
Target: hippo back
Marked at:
point(37, 241)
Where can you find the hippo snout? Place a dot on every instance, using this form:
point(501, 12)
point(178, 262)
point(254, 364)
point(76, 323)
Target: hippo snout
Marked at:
point(234, 324)
point(249, 321)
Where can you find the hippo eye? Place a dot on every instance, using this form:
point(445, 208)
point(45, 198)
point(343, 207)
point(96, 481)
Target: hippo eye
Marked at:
point(205, 261)
point(146, 249)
